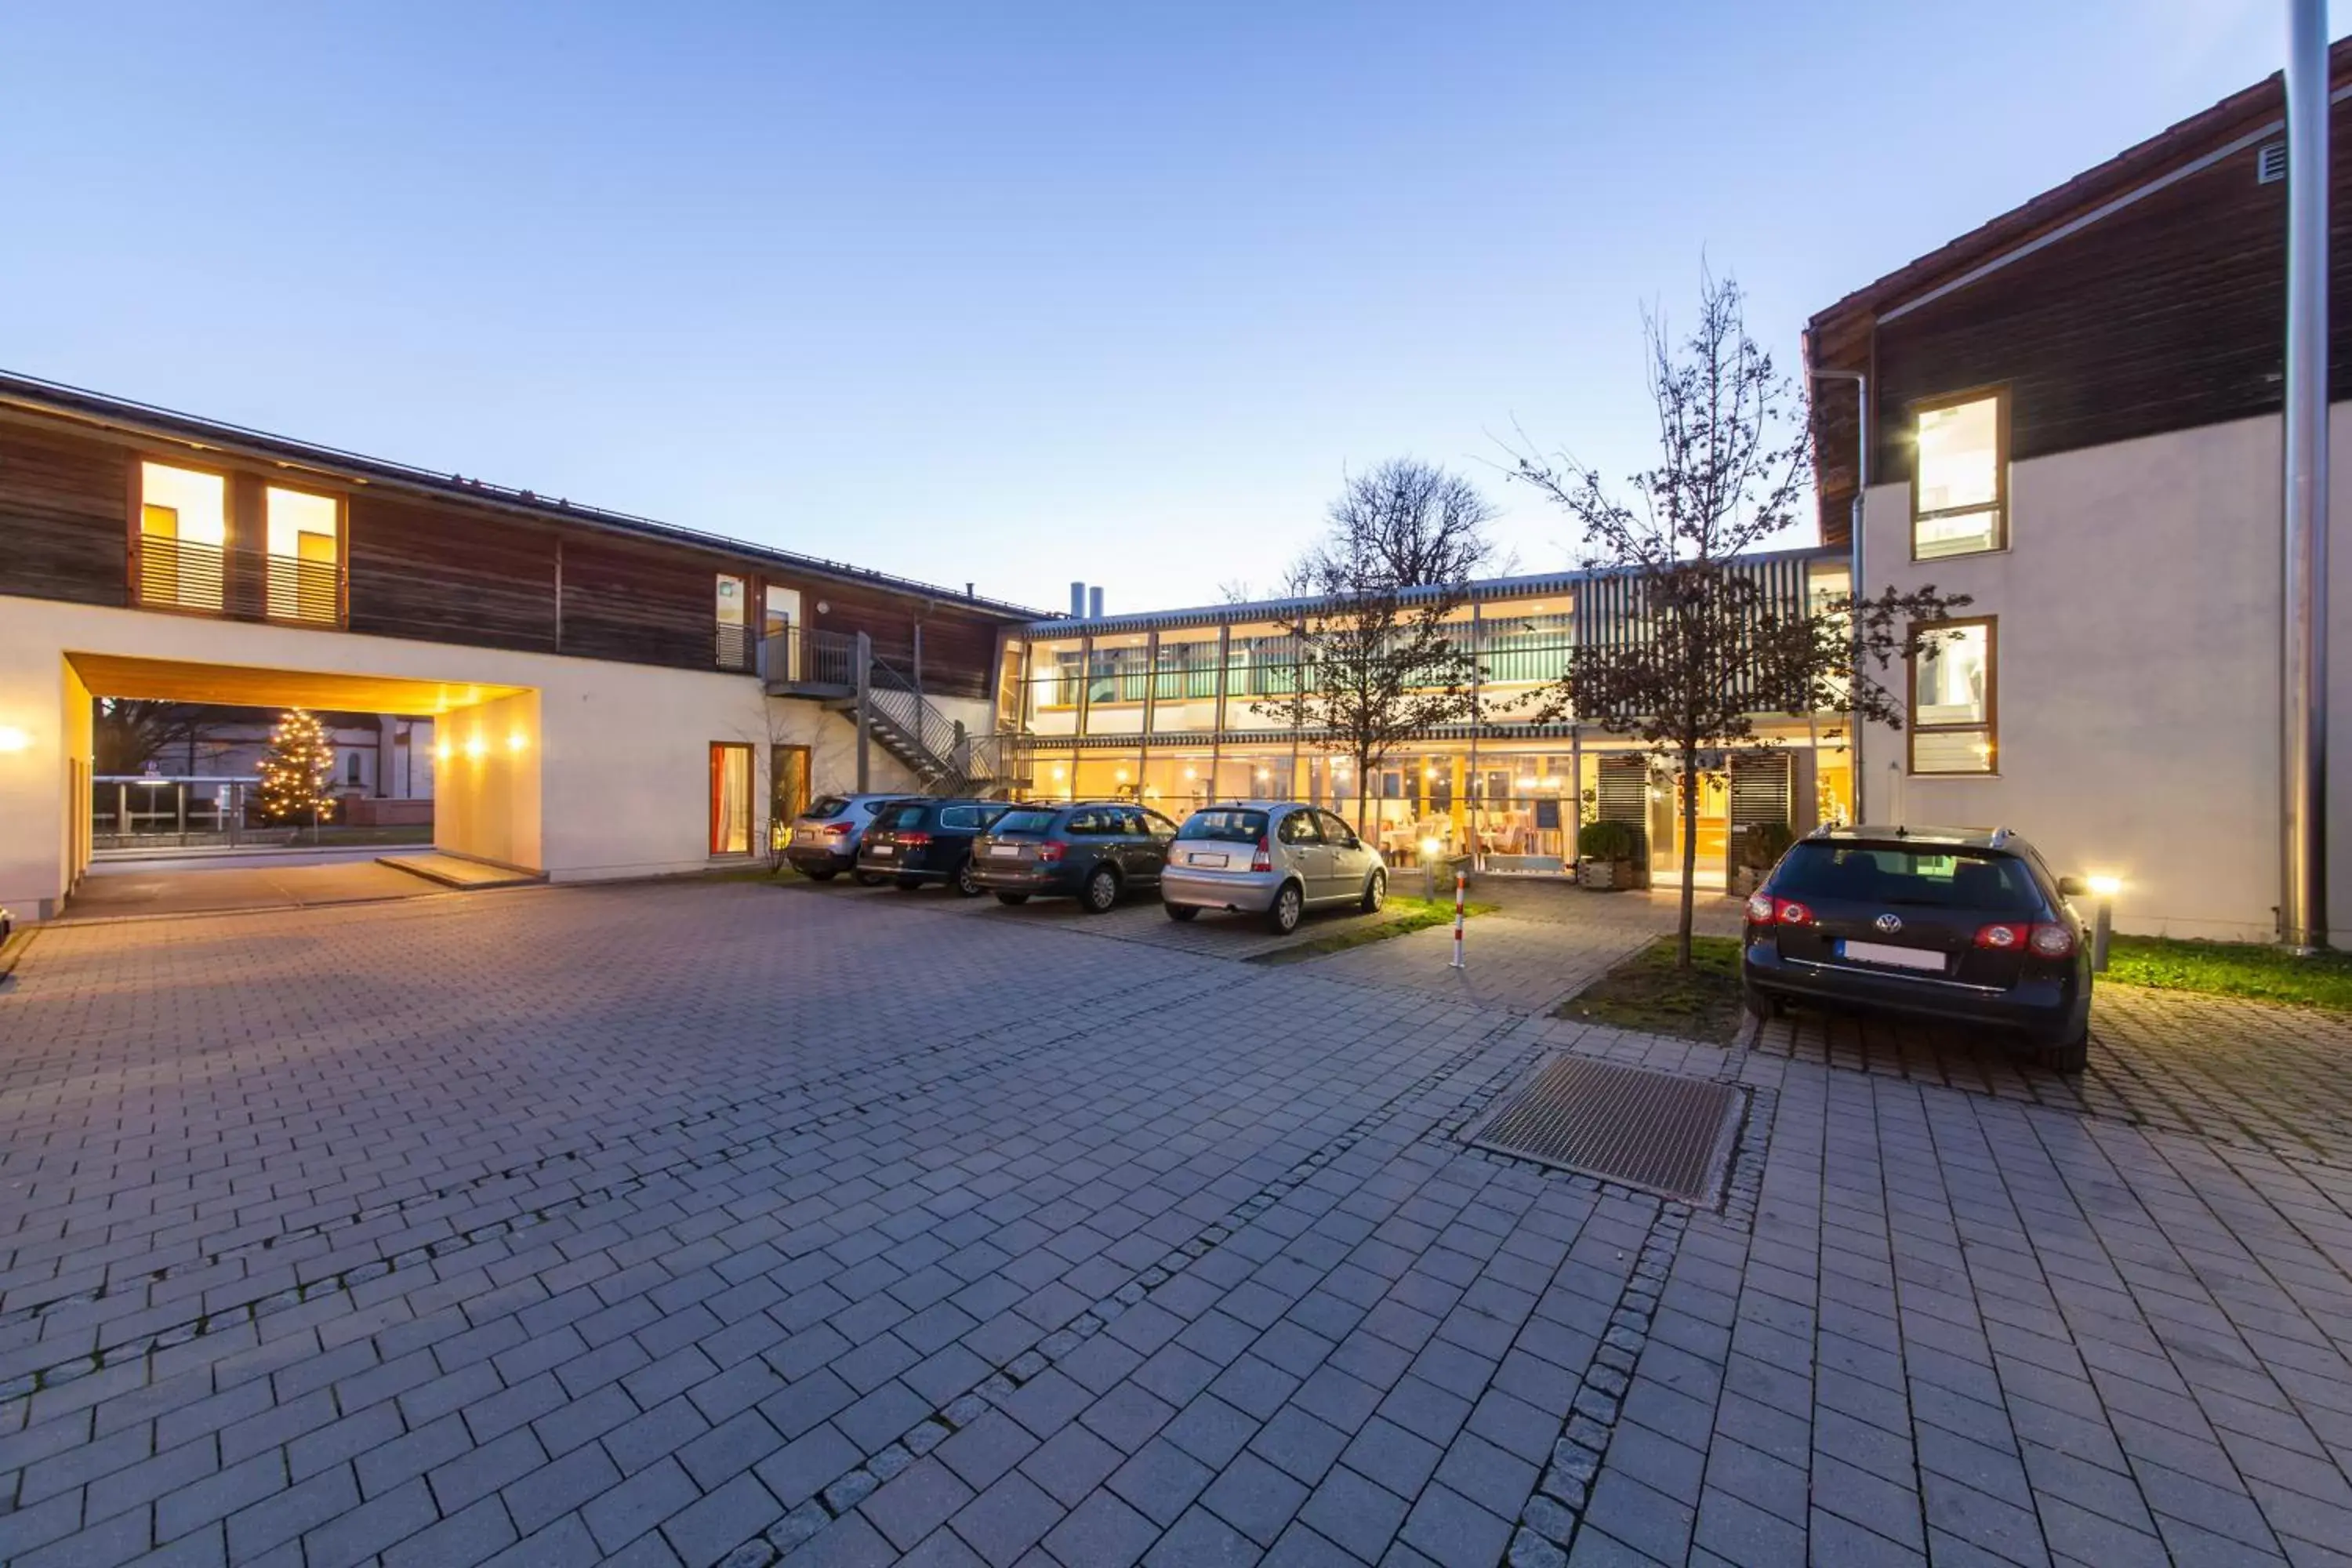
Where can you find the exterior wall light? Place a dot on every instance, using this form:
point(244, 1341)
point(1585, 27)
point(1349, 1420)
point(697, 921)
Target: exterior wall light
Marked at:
point(441, 751)
point(2105, 887)
point(474, 749)
point(517, 741)
point(13, 739)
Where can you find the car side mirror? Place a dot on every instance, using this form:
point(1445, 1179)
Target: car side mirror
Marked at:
point(2072, 887)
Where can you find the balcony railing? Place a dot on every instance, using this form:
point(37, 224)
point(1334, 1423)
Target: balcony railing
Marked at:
point(800, 659)
point(241, 585)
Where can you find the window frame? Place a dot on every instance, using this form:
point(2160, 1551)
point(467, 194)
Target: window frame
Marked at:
point(1998, 394)
point(719, 752)
point(135, 521)
point(341, 504)
point(1991, 725)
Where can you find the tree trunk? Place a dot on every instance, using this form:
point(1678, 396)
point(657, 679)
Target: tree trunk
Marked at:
point(1363, 794)
point(1690, 853)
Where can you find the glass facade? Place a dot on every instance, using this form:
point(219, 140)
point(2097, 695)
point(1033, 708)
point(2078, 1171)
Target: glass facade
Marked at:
point(1176, 717)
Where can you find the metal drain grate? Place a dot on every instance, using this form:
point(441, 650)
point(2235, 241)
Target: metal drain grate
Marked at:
point(1651, 1129)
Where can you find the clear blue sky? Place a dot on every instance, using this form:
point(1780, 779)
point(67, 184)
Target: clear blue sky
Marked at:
point(1010, 293)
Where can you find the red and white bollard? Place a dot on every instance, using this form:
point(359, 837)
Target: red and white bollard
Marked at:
point(1459, 881)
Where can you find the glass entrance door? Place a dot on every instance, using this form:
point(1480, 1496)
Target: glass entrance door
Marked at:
point(1713, 827)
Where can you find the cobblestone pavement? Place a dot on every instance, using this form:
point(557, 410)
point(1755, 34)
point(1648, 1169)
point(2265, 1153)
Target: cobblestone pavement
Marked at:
point(712, 1222)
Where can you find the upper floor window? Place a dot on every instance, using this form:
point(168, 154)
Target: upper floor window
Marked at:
point(1960, 481)
point(182, 537)
point(1954, 709)
point(734, 608)
point(304, 568)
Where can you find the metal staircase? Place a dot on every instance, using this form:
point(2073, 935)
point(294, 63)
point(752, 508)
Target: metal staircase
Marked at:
point(889, 707)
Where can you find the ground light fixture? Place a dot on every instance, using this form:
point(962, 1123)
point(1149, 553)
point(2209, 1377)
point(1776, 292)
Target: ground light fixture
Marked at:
point(2102, 919)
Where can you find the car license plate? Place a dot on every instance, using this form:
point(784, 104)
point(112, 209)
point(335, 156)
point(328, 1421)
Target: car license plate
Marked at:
point(807, 835)
point(1197, 859)
point(1900, 957)
point(882, 849)
point(1005, 851)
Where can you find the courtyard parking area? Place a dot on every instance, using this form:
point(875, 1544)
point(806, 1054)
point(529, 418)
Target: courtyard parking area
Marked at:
point(707, 1223)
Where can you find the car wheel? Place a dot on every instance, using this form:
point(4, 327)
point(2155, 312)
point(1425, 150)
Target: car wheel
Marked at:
point(1289, 905)
point(1012, 898)
point(965, 882)
point(1181, 911)
point(1376, 892)
point(868, 879)
point(1762, 1004)
point(908, 884)
point(1101, 891)
point(2068, 1057)
point(826, 875)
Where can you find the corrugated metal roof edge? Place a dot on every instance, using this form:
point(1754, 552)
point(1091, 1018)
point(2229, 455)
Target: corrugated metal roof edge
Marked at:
point(1482, 589)
point(78, 403)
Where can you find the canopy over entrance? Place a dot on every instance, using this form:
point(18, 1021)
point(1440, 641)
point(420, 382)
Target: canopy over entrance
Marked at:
point(247, 686)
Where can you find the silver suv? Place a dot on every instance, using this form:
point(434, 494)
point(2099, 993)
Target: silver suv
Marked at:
point(1273, 858)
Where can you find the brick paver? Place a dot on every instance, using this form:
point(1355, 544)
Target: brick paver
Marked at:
point(714, 1223)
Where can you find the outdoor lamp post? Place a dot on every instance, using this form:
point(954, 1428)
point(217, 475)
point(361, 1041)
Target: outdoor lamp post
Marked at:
point(2104, 889)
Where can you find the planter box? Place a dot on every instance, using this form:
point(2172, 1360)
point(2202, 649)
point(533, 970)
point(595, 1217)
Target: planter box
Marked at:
point(1745, 880)
point(1605, 876)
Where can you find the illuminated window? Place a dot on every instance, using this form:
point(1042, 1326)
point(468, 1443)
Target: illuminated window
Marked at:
point(730, 798)
point(1954, 709)
point(304, 546)
point(182, 537)
point(1959, 484)
point(734, 647)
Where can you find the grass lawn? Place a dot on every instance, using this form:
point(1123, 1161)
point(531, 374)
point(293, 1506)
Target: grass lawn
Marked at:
point(1647, 992)
point(1417, 914)
point(2231, 969)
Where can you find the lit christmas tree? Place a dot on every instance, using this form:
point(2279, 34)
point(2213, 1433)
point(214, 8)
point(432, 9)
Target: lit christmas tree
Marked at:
point(297, 769)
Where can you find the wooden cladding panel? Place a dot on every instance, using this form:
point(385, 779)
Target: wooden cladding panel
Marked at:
point(2168, 314)
point(642, 605)
point(959, 650)
point(420, 571)
point(64, 517)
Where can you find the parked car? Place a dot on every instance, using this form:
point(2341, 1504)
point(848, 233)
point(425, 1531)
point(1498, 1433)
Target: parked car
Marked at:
point(923, 841)
point(825, 837)
point(1935, 922)
point(1277, 859)
point(1090, 850)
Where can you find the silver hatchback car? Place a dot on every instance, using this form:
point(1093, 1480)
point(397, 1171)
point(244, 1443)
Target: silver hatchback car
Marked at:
point(1275, 858)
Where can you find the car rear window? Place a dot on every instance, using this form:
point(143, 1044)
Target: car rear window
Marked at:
point(973, 816)
point(904, 816)
point(1231, 827)
point(1924, 877)
point(823, 807)
point(1020, 820)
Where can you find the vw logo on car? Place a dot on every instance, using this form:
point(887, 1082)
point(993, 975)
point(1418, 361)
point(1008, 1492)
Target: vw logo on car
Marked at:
point(1890, 923)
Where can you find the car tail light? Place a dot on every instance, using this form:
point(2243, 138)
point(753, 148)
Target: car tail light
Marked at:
point(1761, 909)
point(837, 828)
point(1264, 859)
point(2002, 937)
point(1782, 912)
point(915, 840)
point(2051, 940)
point(1051, 849)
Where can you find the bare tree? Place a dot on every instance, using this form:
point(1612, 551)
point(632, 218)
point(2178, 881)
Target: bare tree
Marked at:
point(1706, 648)
point(1406, 523)
point(1380, 659)
point(130, 732)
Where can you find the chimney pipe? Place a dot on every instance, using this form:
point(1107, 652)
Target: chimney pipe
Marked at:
point(1077, 601)
point(1094, 604)
point(2303, 894)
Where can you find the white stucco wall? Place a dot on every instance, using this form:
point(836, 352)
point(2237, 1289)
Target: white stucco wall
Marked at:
point(610, 778)
point(2138, 673)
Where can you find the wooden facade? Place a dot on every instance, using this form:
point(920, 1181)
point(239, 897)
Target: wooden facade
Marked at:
point(2145, 295)
point(426, 561)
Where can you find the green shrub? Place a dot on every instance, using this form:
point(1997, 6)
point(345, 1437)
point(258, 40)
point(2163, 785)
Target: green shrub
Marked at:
point(1764, 843)
point(1605, 841)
